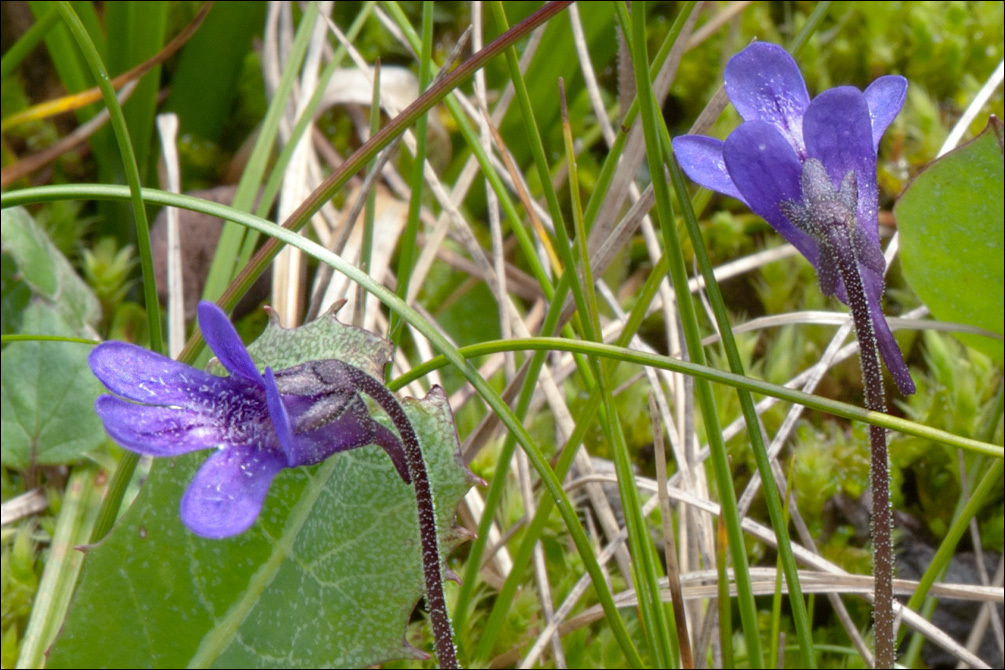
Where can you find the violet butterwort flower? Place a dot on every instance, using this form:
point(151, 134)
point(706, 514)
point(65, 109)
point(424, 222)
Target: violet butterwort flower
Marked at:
point(258, 424)
point(809, 169)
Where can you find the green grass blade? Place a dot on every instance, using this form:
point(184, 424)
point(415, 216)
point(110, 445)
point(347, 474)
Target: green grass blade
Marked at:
point(812, 22)
point(656, 617)
point(625, 355)
point(275, 181)
point(27, 42)
point(662, 643)
point(724, 609)
point(138, 29)
point(988, 483)
point(44, 338)
point(222, 269)
point(774, 504)
point(563, 245)
point(720, 462)
point(127, 464)
point(77, 515)
point(366, 248)
point(66, 56)
point(909, 659)
point(202, 96)
point(75, 74)
point(407, 250)
point(37, 194)
point(118, 123)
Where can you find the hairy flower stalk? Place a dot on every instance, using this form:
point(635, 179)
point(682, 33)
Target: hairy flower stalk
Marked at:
point(443, 634)
point(259, 424)
point(319, 378)
point(809, 169)
point(829, 215)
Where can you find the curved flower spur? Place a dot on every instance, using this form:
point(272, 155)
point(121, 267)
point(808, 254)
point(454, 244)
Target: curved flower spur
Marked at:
point(796, 162)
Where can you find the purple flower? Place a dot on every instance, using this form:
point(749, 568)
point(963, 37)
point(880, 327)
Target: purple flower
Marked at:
point(257, 425)
point(778, 159)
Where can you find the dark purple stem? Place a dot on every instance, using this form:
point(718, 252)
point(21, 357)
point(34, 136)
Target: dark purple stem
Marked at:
point(875, 400)
point(443, 634)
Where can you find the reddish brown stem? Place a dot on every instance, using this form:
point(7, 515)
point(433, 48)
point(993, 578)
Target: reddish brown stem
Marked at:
point(882, 517)
point(443, 634)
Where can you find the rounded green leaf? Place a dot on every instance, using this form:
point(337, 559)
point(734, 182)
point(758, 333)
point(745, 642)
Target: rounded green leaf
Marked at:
point(47, 403)
point(951, 224)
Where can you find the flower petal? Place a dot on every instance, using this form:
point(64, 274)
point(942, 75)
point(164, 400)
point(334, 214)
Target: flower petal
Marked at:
point(226, 343)
point(839, 133)
point(227, 493)
point(157, 431)
point(141, 375)
point(701, 159)
point(886, 97)
point(766, 171)
point(764, 84)
point(280, 418)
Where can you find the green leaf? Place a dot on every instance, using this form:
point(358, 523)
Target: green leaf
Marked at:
point(950, 221)
point(325, 337)
point(328, 575)
point(45, 271)
point(48, 390)
point(48, 396)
